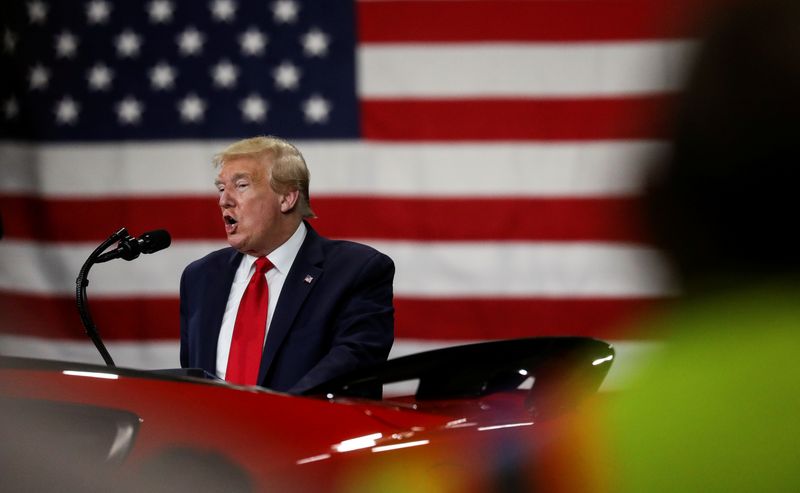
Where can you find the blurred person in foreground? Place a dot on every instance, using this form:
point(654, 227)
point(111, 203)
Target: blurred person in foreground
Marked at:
point(718, 408)
point(283, 307)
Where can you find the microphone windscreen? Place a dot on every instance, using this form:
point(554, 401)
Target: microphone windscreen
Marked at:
point(153, 241)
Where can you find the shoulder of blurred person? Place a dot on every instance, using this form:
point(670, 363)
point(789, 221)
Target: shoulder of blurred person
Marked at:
point(717, 408)
point(714, 409)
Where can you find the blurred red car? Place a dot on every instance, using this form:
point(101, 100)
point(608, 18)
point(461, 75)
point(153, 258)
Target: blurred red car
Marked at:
point(481, 418)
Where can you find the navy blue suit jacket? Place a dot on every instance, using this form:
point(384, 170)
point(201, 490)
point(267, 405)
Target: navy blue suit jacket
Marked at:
point(341, 320)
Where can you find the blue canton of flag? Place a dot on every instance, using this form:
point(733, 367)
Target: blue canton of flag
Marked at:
point(104, 70)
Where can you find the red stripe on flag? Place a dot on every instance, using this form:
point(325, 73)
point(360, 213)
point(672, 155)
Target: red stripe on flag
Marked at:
point(410, 219)
point(427, 319)
point(636, 117)
point(500, 318)
point(475, 219)
point(94, 219)
point(521, 20)
point(57, 317)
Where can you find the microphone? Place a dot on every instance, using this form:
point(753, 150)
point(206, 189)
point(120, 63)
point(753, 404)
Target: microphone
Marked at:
point(130, 248)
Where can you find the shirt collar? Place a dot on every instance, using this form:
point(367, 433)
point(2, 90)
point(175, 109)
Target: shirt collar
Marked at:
point(283, 256)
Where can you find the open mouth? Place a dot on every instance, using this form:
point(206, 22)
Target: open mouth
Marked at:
point(230, 224)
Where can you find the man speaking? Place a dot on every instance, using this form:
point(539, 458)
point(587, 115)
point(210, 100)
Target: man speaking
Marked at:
point(283, 307)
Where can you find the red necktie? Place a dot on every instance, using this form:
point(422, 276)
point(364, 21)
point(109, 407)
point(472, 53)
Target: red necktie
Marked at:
point(248, 331)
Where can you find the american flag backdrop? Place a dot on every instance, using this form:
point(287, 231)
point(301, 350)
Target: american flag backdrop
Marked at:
point(496, 150)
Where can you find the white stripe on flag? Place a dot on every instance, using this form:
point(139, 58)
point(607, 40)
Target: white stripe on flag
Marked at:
point(143, 355)
point(602, 168)
point(460, 70)
point(434, 269)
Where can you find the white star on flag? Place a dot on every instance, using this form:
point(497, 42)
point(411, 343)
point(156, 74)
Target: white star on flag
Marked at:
point(39, 77)
point(9, 41)
point(67, 110)
point(285, 11)
point(162, 76)
point(129, 111)
point(253, 42)
point(254, 108)
point(316, 109)
point(286, 75)
point(37, 12)
point(97, 12)
point(100, 77)
point(66, 44)
point(160, 11)
point(190, 41)
point(10, 108)
point(192, 108)
point(315, 43)
point(223, 10)
point(224, 74)
point(128, 44)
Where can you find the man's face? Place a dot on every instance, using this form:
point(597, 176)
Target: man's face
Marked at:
point(251, 210)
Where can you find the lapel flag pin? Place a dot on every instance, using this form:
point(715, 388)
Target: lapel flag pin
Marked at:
point(308, 279)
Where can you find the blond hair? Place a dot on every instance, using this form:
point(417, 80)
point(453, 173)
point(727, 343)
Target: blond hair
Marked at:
point(288, 171)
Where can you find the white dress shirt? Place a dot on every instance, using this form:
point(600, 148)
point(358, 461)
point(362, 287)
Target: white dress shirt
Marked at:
point(282, 258)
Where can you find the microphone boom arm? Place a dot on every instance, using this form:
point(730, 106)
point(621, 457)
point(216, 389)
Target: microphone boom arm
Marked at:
point(83, 302)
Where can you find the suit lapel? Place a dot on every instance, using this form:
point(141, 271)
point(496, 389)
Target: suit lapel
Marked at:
point(301, 279)
point(217, 289)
